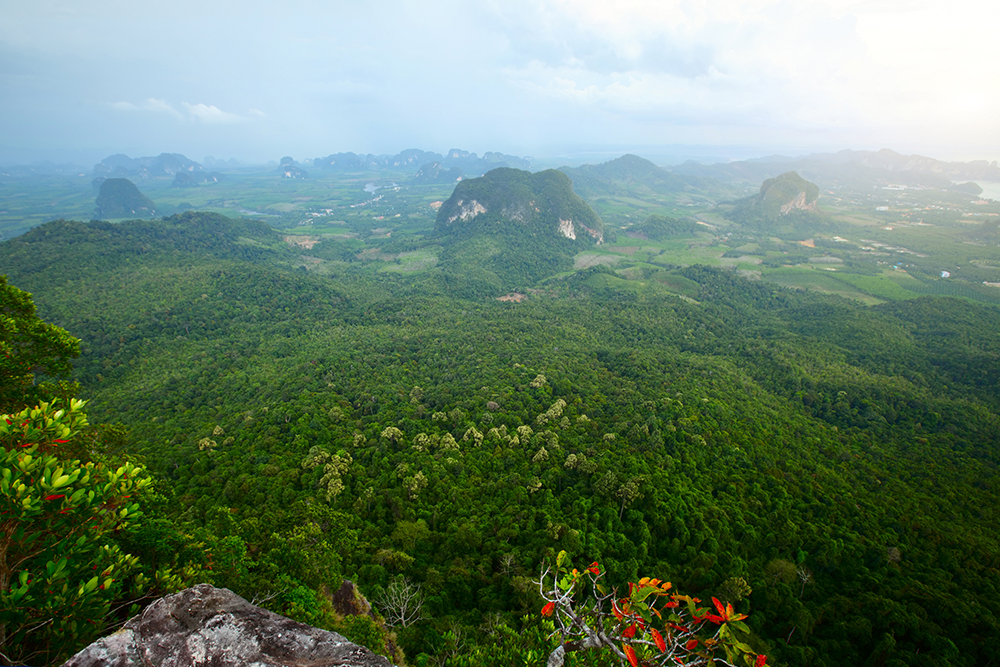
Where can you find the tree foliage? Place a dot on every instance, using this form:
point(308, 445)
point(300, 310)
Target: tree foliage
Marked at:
point(28, 346)
point(651, 625)
point(59, 574)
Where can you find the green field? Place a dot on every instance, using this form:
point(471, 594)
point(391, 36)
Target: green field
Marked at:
point(383, 220)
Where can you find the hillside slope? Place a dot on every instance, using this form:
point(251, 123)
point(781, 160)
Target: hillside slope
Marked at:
point(827, 467)
point(511, 228)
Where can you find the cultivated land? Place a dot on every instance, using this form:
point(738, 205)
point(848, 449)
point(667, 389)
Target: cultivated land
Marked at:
point(881, 241)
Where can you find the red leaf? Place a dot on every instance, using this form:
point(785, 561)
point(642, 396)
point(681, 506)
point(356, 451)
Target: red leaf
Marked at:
point(630, 654)
point(718, 605)
point(629, 632)
point(56, 496)
point(548, 609)
point(690, 645)
point(761, 659)
point(658, 638)
point(594, 568)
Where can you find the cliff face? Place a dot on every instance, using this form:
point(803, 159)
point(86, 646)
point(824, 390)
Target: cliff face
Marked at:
point(787, 202)
point(204, 626)
point(782, 194)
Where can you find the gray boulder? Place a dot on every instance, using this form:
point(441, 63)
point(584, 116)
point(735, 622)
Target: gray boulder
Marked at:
point(205, 625)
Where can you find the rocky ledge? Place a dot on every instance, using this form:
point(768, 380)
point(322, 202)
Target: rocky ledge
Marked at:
point(205, 625)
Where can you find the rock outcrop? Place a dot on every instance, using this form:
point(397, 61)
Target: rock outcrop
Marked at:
point(206, 626)
point(787, 206)
point(788, 192)
point(542, 202)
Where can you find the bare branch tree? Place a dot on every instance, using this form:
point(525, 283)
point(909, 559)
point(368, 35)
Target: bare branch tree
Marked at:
point(401, 603)
point(805, 576)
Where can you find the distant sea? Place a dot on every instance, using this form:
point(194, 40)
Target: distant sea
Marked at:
point(991, 189)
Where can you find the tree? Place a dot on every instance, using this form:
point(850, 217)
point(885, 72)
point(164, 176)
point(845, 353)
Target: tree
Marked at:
point(651, 625)
point(29, 346)
point(401, 603)
point(59, 572)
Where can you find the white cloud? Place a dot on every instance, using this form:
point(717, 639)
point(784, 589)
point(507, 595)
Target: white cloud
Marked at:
point(192, 113)
point(151, 104)
point(213, 115)
point(871, 73)
point(797, 64)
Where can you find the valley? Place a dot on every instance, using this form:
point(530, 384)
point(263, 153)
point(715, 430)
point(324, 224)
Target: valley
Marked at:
point(339, 376)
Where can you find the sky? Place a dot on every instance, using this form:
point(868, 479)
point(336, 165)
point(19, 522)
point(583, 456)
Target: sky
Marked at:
point(261, 80)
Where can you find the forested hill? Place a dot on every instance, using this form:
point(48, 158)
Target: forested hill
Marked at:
point(119, 198)
point(829, 468)
point(786, 203)
point(542, 202)
point(629, 173)
point(67, 249)
point(510, 229)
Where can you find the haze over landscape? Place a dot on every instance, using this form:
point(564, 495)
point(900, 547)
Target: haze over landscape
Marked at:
point(722, 80)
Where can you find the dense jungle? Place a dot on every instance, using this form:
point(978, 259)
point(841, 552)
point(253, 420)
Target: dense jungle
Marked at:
point(435, 413)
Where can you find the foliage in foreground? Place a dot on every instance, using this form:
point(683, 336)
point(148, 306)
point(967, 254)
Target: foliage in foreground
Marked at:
point(60, 574)
point(650, 625)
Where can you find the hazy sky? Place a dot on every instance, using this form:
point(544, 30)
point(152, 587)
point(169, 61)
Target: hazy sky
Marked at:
point(259, 80)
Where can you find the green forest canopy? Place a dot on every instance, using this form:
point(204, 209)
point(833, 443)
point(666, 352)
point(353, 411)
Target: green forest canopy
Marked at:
point(838, 459)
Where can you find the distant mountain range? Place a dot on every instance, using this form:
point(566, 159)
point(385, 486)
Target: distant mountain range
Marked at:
point(469, 164)
point(829, 169)
point(457, 163)
point(164, 164)
point(892, 161)
point(45, 168)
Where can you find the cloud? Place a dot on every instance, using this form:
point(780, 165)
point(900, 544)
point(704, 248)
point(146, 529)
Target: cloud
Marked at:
point(211, 114)
point(151, 104)
point(208, 114)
